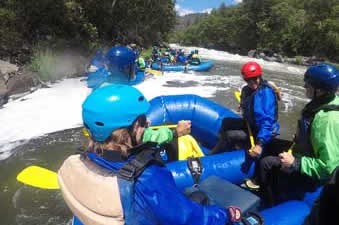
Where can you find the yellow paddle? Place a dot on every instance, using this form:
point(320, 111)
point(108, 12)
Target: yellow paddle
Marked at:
point(39, 177)
point(155, 72)
point(168, 126)
point(237, 95)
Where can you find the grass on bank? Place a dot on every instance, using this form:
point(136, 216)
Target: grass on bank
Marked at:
point(44, 63)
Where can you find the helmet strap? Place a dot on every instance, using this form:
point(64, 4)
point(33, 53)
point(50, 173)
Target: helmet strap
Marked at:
point(314, 93)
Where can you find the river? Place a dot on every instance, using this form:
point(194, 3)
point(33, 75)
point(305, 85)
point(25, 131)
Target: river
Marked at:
point(43, 128)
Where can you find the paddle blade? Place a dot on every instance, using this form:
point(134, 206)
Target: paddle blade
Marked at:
point(237, 95)
point(38, 177)
point(154, 72)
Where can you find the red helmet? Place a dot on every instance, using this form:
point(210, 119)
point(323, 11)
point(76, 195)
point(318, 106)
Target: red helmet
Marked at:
point(251, 69)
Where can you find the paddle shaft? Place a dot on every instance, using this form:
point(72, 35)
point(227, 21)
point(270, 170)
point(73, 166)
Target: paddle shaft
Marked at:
point(238, 97)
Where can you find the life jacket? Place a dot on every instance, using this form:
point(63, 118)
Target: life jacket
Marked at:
point(188, 148)
point(81, 177)
point(302, 139)
point(195, 59)
point(247, 103)
point(141, 63)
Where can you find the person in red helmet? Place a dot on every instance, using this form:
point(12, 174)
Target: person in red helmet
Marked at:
point(259, 107)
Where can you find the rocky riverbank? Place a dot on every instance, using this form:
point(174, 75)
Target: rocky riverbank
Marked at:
point(17, 78)
point(277, 57)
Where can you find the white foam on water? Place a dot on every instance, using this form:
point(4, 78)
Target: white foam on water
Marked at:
point(58, 108)
point(225, 56)
point(174, 83)
point(44, 111)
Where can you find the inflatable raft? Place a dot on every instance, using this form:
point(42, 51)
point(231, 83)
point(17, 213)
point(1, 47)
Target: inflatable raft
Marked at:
point(97, 73)
point(101, 76)
point(219, 174)
point(203, 66)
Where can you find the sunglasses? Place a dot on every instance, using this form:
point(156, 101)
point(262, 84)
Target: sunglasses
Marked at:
point(250, 79)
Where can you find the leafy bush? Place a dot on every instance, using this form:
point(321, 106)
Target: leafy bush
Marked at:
point(299, 60)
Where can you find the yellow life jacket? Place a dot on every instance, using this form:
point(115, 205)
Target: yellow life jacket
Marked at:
point(188, 147)
point(195, 56)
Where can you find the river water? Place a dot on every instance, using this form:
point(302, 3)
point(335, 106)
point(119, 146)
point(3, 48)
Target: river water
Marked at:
point(43, 128)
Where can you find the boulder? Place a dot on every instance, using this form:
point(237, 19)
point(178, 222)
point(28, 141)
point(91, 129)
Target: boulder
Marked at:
point(7, 68)
point(3, 87)
point(252, 53)
point(21, 82)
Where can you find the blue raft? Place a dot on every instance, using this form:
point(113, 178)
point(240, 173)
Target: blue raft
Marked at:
point(101, 76)
point(206, 117)
point(203, 66)
point(222, 172)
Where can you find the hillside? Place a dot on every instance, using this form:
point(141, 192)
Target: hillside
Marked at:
point(183, 22)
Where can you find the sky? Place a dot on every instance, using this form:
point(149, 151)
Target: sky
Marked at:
point(184, 7)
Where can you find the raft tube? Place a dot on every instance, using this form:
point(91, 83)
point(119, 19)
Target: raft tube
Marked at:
point(102, 76)
point(206, 117)
point(235, 167)
point(203, 66)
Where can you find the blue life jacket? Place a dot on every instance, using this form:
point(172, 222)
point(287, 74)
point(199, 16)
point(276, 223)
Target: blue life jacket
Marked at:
point(260, 109)
point(99, 60)
point(149, 195)
point(181, 59)
point(165, 60)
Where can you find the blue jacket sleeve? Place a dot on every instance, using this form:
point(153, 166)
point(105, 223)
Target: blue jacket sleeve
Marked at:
point(265, 109)
point(159, 201)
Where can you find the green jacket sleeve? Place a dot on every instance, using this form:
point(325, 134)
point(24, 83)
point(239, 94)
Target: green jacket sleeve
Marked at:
point(325, 142)
point(160, 136)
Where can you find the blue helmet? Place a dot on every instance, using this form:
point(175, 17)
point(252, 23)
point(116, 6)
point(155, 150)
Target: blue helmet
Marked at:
point(121, 59)
point(323, 76)
point(111, 107)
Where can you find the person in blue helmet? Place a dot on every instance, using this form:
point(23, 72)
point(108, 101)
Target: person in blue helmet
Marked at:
point(144, 189)
point(259, 106)
point(98, 62)
point(120, 68)
point(314, 154)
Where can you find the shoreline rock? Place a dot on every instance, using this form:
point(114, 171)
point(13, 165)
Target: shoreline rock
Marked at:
point(271, 56)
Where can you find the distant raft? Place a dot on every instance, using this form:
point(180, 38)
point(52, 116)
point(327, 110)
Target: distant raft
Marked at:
point(102, 76)
point(203, 66)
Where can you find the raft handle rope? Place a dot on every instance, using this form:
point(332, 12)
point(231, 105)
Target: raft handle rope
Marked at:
point(163, 109)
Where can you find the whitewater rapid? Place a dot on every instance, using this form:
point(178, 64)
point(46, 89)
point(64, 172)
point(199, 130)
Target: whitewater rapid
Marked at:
point(58, 108)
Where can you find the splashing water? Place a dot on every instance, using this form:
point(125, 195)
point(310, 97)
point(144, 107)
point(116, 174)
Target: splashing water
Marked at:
point(59, 107)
